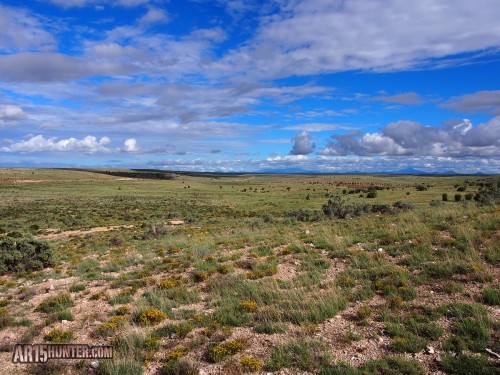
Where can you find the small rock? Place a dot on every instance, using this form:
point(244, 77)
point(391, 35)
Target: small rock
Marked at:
point(202, 372)
point(338, 316)
point(94, 364)
point(438, 358)
point(380, 250)
point(64, 321)
point(429, 350)
point(380, 340)
point(308, 231)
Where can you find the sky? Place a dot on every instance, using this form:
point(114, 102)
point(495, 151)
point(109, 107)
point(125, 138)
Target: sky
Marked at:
point(329, 86)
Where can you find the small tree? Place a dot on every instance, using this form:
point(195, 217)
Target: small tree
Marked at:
point(458, 197)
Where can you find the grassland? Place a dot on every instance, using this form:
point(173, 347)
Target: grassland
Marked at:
point(193, 273)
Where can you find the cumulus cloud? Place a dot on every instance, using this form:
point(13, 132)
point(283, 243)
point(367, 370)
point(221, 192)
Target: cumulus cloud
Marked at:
point(39, 143)
point(9, 113)
point(411, 138)
point(130, 145)
point(302, 144)
point(481, 101)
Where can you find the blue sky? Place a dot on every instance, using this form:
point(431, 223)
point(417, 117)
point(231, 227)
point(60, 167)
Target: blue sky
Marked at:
point(242, 85)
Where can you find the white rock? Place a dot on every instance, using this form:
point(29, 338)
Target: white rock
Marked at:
point(429, 350)
point(380, 250)
point(94, 364)
point(64, 321)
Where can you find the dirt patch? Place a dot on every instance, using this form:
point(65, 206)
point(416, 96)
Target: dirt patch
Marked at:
point(27, 181)
point(287, 271)
point(69, 233)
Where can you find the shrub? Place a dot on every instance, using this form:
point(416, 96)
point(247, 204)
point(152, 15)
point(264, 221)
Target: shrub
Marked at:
point(248, 306)
point(217, 352)
point(58, 336)
point(151, 317)
point(445, 197)
point(250, 364)
point(458, 197)
point(24, 254)
point(489, 193)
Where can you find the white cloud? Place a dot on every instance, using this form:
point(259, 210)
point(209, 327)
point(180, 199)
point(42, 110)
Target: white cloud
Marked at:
point(411, 138)
point(154, 15)
point(20, 31)
point(10, 113)
point(39, 143)
point(317, 36)
point(130, 145)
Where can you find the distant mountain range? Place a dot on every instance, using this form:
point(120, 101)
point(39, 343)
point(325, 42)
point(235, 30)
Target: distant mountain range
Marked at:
point(407, 171)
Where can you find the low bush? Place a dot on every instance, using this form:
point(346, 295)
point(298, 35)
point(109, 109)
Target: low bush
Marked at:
point(24, 254)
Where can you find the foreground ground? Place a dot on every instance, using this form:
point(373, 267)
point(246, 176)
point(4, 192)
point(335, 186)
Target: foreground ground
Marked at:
point(209, 274)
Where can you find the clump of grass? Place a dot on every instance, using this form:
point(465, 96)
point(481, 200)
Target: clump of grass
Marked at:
point(306, 355)
point(464, 364)
point(5, 318)
point(77, 288)
point(409, 344)
point(363, 313)
point(199, 276)
point(175, 365)
point(58, 336)
point(64, 315)
point(55, 304)
point(120, 367)
point(386, 366)
point(469, 334)
point(491, 295)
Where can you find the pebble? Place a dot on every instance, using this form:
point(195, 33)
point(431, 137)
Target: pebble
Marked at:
point(94, 364)
point(429, 350)
point(64, 321)
point(380, 249)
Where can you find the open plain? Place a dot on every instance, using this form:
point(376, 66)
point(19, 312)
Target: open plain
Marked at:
point(192, 273)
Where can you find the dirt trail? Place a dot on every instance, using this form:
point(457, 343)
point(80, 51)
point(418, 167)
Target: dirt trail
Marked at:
point(68, 233)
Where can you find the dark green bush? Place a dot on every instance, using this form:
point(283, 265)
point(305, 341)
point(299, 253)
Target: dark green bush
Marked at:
point(24, 254)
